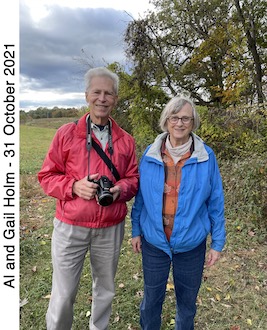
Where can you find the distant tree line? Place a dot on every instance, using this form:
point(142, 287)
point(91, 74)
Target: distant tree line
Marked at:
point(55, 112)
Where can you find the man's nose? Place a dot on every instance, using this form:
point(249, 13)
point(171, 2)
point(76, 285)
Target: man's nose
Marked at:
point(102, 96)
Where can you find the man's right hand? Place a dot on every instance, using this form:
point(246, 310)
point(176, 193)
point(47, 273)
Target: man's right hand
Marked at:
point(84, 188)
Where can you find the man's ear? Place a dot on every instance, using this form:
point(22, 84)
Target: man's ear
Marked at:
point(116, 99)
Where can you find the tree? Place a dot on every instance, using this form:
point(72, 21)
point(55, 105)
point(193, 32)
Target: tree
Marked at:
point(251, 15)
point(193, 46)
point(174, 47)
point(139, 107)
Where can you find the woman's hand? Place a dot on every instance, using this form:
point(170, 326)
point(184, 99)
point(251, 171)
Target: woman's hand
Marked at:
point(136, 244)
point(213, 256)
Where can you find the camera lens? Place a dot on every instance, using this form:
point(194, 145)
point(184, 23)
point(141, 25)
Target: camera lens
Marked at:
point(105, 199)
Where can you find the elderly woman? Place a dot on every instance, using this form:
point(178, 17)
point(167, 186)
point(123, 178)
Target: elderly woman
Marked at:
point(179, 203)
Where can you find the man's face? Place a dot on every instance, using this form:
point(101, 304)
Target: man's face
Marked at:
point(101, 99)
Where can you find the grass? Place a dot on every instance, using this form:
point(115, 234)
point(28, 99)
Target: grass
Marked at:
point(34, 145)
point(233, 293)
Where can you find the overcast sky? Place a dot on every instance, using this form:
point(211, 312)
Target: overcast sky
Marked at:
point(55, 35)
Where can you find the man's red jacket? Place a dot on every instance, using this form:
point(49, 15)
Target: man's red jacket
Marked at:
point(67, 162)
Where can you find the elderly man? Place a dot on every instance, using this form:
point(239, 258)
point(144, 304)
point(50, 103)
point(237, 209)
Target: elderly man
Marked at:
point(91, 169)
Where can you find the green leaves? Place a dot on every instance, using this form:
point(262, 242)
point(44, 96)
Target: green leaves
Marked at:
point(208, 48)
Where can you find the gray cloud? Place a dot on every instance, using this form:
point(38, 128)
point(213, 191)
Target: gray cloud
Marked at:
point(52, 50)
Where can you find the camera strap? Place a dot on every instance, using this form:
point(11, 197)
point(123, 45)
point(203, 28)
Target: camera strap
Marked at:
point(90, 142)
point(107, 160)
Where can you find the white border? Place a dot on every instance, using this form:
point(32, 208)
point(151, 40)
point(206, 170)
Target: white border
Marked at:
point(9, 168)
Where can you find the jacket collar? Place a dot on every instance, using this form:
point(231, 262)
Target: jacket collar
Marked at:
point(117, 132)
point(199, 152)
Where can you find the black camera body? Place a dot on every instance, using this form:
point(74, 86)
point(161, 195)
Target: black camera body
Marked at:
point(105, 197)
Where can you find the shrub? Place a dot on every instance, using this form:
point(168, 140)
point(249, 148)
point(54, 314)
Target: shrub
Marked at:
point(245, 184)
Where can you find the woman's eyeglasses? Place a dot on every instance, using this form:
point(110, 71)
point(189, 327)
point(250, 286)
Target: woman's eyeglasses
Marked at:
point(175, 119)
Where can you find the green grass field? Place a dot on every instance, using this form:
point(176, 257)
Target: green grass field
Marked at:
point(233, 293)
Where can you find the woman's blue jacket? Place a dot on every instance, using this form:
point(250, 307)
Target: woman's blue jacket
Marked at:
point(200, 209)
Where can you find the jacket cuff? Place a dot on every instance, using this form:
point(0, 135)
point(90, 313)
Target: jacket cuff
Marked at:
point(217, 245)
point(136, 232)
point(70, 195)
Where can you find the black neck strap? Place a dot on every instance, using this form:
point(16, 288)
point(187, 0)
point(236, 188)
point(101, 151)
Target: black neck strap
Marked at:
point(91, 143)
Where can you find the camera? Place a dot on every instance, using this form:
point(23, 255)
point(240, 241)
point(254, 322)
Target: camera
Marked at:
point(105, 197)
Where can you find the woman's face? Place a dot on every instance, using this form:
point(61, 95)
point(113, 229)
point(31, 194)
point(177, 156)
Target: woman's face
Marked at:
point(180, 131)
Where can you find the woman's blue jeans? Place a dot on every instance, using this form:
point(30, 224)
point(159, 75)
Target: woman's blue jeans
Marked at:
point(187, 274)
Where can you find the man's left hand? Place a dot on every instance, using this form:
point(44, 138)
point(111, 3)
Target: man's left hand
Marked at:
point(116, 190)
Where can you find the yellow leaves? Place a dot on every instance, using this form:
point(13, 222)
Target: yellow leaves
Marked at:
point(232, 281)
point(172, 322)
point(45, 200)
point(170, 286)
point(215, 296)
point(249, 322)
point(227, 297)
point(218, 297)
